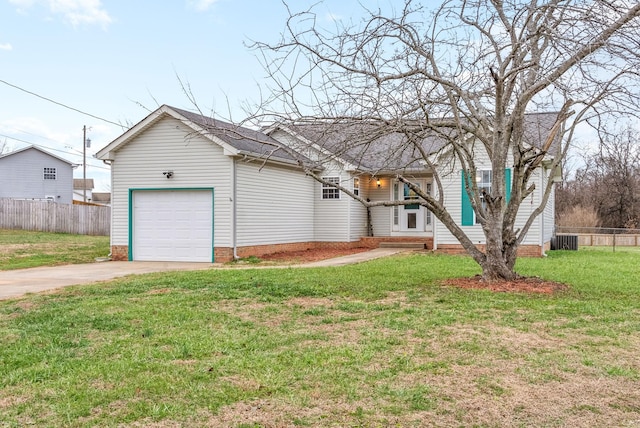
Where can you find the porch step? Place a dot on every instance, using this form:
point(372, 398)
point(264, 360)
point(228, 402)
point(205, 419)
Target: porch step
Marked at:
point(408, 245)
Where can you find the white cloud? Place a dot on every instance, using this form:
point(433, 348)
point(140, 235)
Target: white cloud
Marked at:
point(5, 47)
point(75, 12)
point(201, 5)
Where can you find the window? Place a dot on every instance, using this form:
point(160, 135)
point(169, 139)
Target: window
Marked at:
point(330, 192)
point(356, 186)
point(396, 214)
point(483, 180)
point(49, 173)
point(411, 195)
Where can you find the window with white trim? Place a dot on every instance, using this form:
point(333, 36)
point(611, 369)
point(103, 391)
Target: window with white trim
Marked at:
point(396, 211)
point(483, 181)
point(49, 173)
point(328, 191)
point(356, 186)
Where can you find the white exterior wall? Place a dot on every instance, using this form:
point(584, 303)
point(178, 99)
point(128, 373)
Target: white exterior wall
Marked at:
point(381, 217)
point(358, 213)
point(548, 217)
point(274, 205)
point(452, 188)
point(21, 177)
point(196, 162)
point(331, 219)
point(335, 220)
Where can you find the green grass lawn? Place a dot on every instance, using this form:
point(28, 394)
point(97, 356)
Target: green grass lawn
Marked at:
point(377, 344)
point(24, 249)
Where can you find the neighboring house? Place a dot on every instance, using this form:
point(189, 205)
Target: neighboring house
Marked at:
point(83, 189)
point(33, 173)
point(101, 198)
point(190, 188)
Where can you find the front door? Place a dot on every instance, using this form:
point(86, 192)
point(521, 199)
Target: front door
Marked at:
point(411, 216)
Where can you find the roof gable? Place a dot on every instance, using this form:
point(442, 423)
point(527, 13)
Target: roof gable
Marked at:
point(235, 140)
point(6, 155)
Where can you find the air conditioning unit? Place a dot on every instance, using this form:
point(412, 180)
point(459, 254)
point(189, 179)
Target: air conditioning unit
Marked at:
point(565, 242)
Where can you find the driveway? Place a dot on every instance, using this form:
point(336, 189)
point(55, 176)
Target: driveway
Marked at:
point(14, 283)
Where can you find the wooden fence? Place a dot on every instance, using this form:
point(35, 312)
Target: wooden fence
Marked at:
point(609, 240)
point(52, 217)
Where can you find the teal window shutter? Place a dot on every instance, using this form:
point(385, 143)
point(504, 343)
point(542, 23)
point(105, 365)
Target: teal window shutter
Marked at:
point(507, 179)
point(467, 209)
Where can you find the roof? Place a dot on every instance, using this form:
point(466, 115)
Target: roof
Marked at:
point(38, 149)
point(363, 149)
point(81, 184)
point(101, 197)
point(373, 148)
point(238, 140)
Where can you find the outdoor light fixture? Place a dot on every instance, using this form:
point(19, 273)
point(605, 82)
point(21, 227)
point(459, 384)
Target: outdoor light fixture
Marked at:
point(378, 182)
point(168, 174)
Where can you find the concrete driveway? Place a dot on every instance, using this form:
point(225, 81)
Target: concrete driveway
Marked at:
point(14, 283)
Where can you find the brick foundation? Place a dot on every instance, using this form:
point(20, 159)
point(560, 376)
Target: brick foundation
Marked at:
point(225, 254)
point(375, 241)
point(523, 250)
point(120, 253)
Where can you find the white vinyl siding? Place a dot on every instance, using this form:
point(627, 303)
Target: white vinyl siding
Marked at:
point(452, 188)
point(196, 162)
point(22, 176)
point(331, 219)
point(274, 205)
point(381, 217)
point(357, 211)
point(548, 216)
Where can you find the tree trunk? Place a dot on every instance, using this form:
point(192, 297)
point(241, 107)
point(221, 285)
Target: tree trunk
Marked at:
point(500, 253)
point(495, 268)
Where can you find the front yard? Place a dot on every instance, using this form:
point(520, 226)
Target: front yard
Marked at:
point(24, 249)
point(378, 344)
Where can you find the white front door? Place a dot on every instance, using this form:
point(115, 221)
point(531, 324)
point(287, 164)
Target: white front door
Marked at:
point(413, 217)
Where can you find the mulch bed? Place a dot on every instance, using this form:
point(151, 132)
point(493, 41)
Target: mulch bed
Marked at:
point(312, 255)
point(520, 285)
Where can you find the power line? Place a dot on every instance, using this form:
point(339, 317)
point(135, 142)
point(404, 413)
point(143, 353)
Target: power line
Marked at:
point(62, 105)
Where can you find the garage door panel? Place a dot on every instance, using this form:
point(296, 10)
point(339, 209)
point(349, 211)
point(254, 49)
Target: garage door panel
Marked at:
point(173, 225)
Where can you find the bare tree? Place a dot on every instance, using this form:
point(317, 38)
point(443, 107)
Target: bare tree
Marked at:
point(467, 73)
point(610, 180)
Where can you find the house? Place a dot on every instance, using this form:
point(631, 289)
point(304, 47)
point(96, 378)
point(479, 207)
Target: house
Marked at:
point(101, 198)
point(186, 187)
point(33, 173)
point(83, 189)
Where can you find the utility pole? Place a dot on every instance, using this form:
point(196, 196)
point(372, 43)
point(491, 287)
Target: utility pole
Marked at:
point(84, 163)
point(86, 142)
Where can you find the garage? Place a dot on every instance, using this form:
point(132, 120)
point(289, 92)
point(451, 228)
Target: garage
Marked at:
point(171, 225)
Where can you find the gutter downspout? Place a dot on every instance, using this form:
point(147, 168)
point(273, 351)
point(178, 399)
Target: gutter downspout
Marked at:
point(544, 212)
point(234, 209)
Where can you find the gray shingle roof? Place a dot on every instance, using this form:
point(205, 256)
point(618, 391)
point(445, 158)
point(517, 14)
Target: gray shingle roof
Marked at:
point(248, 141)
point(367, 147)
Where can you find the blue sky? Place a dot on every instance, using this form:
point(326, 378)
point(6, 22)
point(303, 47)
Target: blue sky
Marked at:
point(117, 59)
